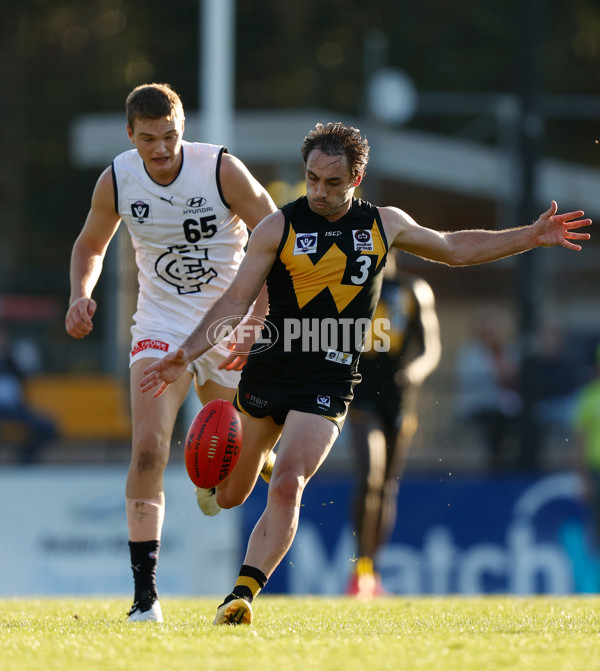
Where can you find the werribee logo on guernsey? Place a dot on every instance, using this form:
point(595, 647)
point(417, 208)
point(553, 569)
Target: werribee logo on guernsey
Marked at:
point(224, 333)
point(305, 243)
point(363, 241)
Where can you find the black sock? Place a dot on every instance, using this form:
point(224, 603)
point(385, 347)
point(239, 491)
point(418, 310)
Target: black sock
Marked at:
point(144, 560)
point(249, 583)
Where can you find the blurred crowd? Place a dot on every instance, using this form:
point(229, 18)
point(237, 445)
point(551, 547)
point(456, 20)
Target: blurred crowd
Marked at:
point(23, 429)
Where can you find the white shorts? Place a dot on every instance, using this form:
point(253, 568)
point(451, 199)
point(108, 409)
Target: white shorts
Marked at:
point(156, 345)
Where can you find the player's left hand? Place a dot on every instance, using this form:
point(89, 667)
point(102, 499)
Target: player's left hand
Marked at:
point(234, 361)
point(553, 229)
point(164, 371)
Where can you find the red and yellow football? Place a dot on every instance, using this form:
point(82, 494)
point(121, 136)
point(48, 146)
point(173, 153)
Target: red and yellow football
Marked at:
point(213, 444)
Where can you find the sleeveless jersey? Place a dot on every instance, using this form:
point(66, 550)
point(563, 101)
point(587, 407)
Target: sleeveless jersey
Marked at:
point(188, 244)
point(323, 289)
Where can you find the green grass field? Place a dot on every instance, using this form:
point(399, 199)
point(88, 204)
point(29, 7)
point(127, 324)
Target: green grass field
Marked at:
point(306, 634)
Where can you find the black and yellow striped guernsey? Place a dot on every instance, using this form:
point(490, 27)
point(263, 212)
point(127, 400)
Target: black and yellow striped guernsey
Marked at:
point(323, 289)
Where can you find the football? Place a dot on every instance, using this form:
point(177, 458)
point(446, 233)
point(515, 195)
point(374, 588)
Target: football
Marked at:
point(213, 444)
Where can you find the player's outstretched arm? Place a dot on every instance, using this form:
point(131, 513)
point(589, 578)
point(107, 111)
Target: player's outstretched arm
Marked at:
point(232, 305)
point(470, 247)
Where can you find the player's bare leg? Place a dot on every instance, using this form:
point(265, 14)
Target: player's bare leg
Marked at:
point(211, 390)
point(153, 420)
point(258, 438)
point(304, 444)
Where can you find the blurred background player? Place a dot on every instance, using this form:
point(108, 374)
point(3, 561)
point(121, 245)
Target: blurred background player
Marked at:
point(382, 418)
point(186, 206)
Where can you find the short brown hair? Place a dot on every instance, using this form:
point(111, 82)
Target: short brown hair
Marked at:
point(336, 139)
point(153, 101)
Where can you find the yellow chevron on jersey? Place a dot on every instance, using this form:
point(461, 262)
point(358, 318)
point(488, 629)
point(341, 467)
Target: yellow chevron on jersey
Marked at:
point(309, 278)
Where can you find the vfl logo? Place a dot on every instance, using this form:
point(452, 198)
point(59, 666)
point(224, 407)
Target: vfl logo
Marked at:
point(363, 241)
point(140, 211)
point(186, 268)
point(197, 201)
point(305, 243)
point(339, 357)
point(323, 401)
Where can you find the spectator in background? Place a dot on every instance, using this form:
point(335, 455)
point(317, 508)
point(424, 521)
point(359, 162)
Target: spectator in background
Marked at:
point(486, 374)
point(382, 418)
point(33, 430)
point(586, 422)
point(556, 380)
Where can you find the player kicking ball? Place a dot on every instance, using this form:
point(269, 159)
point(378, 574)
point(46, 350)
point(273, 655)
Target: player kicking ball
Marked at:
point(322, 257)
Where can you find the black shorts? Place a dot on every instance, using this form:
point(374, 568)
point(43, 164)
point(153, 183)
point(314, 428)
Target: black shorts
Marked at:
point(260, 397)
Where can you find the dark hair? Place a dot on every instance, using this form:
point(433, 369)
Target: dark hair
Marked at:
point(336, 139)
point(152, 101)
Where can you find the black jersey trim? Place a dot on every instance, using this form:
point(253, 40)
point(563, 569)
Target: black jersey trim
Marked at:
point(166, 186)
point(381, 231)
point(222, 151)
point(115, 187)
point(286, 234)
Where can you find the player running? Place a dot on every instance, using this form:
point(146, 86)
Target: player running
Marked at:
point(187, 206)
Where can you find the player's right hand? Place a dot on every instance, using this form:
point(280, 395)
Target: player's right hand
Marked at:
point(78, 321)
